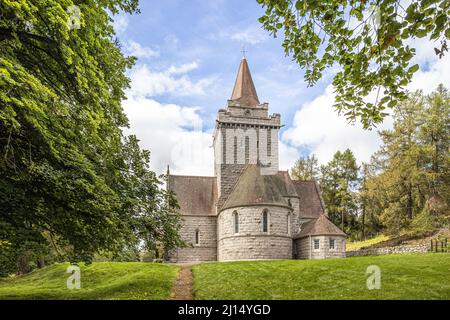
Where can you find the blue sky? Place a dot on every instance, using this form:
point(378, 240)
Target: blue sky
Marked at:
point(188, 54)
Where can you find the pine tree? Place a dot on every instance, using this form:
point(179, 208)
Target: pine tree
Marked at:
point(306, 168)
point(339, 181)
point(410, 189)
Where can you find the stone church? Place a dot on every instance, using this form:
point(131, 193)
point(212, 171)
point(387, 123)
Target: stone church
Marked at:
point(249, 209)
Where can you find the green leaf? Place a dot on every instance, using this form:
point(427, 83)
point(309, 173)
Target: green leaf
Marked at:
point(414, 68)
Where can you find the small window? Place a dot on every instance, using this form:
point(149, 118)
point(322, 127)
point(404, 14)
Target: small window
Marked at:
point(236, 222)
point(332, 246)
point(316, 244)
point(265, 221)
point(197, 237)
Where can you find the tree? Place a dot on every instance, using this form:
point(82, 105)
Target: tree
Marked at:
point(411, 188)
point(70, 179)
point(366, 39)
point(339, 179)
point(306, 168)
point(434, 137)
point(399, 157)
point(370, 200)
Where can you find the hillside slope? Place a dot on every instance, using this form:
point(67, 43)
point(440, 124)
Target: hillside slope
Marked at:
point(101, 280)
point(411, 276)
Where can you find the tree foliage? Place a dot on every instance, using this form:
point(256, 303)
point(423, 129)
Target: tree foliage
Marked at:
point(366, 40)
point(69, 177)
point(305, 168)
point(338, 182)
point(413, 165)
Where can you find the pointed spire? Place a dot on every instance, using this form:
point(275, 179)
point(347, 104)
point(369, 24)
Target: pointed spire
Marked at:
point(244, 90)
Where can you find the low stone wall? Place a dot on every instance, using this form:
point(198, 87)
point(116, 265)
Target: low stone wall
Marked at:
point(390, 250)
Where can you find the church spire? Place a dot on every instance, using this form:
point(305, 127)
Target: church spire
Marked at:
point(244, 90)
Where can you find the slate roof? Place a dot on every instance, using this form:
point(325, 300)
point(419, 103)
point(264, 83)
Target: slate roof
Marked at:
point(319, 227)
point(252, 188)
point(288, 188)
point(199, 195)
point(310, 201)
point(244, 90)
point(195, 195)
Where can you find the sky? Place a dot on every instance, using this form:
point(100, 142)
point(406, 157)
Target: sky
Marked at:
point(188, 56)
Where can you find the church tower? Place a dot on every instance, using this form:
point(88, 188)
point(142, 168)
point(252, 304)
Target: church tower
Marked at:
point(244, 134)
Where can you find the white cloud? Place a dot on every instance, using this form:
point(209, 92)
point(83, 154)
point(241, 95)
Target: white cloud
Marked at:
point(287, 155)
point(173, 134)
point(134, 48)
point(146, 82)
point(253, 34)
point(120, 23)
point(438, 70)
point(318, 127)
point(184, 68)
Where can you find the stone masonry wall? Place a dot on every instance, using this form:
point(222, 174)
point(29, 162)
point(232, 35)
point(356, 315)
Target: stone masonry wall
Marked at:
point(206, 250)
point(295, 219)
point(251, 242)
point(423, 248)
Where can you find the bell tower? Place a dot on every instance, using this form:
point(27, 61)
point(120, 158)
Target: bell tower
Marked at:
point(244, 134)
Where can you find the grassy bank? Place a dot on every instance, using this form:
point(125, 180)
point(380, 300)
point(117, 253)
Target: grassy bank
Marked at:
point(412, 276)
point(102, 280)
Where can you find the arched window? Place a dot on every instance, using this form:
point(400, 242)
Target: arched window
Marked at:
point(265, 221)
point(197, 236)
point(236, 222)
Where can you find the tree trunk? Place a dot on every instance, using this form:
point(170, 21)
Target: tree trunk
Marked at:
point(409, 208)
point(40, 262)
point(23, 265)
point(363, 222)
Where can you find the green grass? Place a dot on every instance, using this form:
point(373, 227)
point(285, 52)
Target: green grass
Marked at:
point(102, 280)
point(408, 276)
point(352, 246)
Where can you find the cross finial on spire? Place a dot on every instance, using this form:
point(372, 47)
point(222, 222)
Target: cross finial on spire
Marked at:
point(243, 52)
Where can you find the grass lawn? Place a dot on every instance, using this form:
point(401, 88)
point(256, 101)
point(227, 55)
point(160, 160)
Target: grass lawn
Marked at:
point(353, 246)
point(407, 276)
point(101, 280)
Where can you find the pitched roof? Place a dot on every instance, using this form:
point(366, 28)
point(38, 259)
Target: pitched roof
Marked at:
point(252, 188)
point(288, 188)
point(319, 227)
point(244, 90)
point(195, 195)
point(310, 201)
